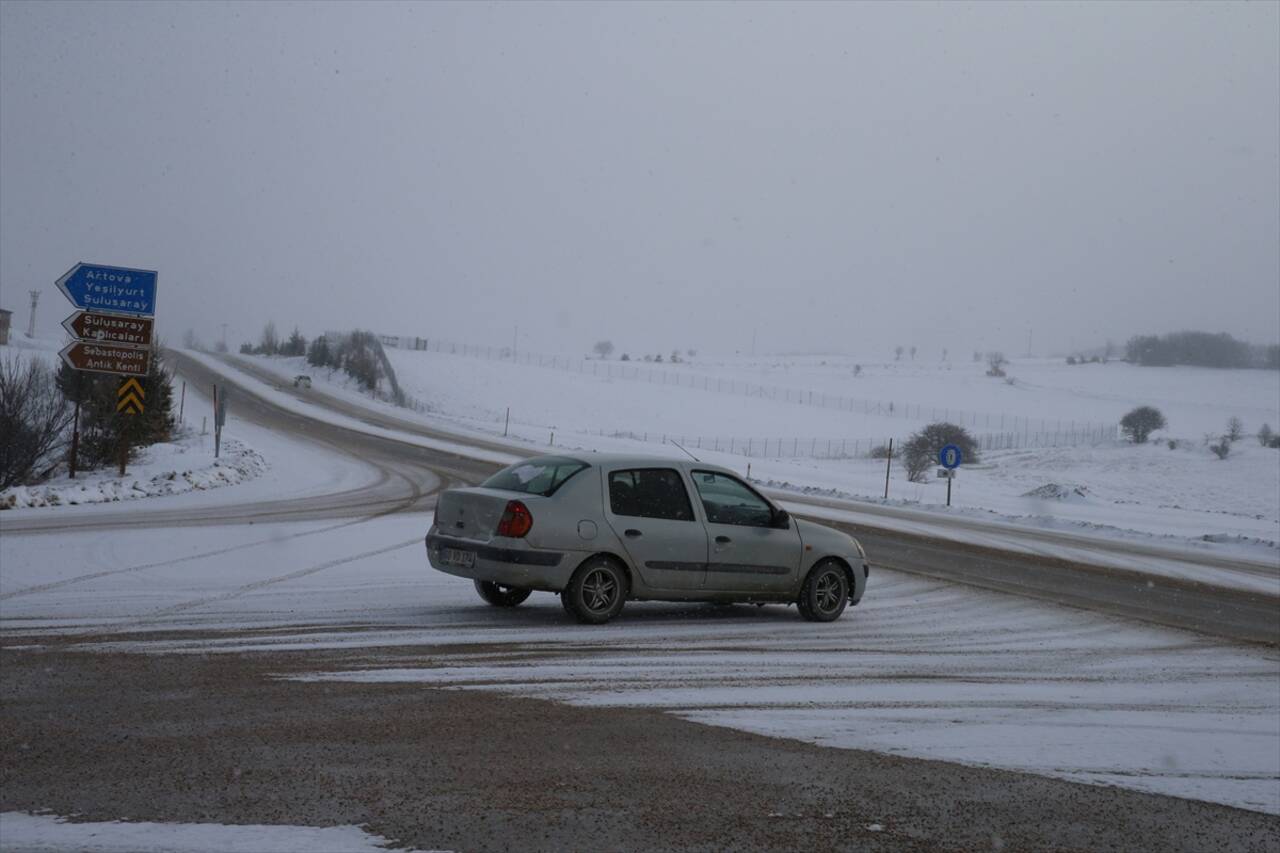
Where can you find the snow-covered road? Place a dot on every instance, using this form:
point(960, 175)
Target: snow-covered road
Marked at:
point(920, 668)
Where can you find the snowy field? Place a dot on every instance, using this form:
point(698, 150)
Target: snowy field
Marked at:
point(920, 668)
point(1111, 488)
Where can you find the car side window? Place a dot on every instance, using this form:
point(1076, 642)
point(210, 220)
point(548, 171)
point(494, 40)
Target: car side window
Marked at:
point(649, 493)
point(730, 501)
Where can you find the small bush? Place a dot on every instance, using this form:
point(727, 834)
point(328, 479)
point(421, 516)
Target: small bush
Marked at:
point(881, 451)
point(1265, 435)
point(920, 453)
point(1141, 422)
point(1173, 444)
point(1222, 448)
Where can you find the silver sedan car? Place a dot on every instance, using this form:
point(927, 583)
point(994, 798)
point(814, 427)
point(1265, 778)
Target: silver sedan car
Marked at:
point(600, 529)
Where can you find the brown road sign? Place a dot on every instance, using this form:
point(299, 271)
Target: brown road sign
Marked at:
point(107, 358)
point(109, 328)
point(129, 397)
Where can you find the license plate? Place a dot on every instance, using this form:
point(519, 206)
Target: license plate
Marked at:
point(462, 559)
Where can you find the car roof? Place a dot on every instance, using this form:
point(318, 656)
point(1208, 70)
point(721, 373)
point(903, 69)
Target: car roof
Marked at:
point(638, 460)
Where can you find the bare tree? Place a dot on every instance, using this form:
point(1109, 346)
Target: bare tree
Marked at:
point(995, 363)
point(897, 353)
point(913, 352)
point(270, 340)
point(603, 348)
point(34, 417)
point(1235, 429)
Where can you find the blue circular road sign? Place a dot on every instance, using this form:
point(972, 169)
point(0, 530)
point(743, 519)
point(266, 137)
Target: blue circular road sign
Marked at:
point(950, 456)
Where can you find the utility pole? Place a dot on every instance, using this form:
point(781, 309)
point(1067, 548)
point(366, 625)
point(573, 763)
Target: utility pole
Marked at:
point(31, 324)
point(224, 337)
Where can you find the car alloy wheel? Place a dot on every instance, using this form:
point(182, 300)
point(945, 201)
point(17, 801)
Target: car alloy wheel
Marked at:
point(828, 592)
point(599, 590)
point(825, 593)
point(596, 592)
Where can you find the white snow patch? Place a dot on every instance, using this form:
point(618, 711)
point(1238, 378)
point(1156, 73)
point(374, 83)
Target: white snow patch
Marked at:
point(165, 468)
point(46, 833)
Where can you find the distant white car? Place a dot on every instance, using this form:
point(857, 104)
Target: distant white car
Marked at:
point(600, 529)
point(302, 381)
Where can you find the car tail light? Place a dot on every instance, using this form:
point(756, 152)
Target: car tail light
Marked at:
point(516, 521)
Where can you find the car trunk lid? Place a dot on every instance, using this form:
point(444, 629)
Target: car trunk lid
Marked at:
point(472, 513)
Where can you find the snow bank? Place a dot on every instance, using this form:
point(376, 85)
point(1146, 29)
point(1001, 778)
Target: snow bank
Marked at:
point(168, 468)
point(39, 833)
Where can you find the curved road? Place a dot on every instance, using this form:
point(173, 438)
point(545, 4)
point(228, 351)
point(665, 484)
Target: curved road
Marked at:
point(411, 475)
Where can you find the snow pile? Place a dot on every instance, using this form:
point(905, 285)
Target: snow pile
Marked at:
point(1058, 492)
point(47, 832)
point(168, 468)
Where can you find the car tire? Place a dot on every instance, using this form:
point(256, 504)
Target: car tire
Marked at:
point(825, 593)
point(596, 592)
point(501, 596)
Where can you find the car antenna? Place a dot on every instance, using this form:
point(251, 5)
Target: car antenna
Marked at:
point(687, 453)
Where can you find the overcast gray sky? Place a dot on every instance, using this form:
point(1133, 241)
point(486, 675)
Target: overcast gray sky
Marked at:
point(838, 176)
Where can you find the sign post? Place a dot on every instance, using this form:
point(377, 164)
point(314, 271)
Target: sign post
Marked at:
point(950, 458)
point(219, 417)
point(112, 333)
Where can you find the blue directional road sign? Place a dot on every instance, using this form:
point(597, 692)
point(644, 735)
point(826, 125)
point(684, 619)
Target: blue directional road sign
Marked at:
point(950, 457)
point(116, 290)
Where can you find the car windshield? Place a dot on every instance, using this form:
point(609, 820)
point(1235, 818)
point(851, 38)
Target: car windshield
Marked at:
point(541, 476)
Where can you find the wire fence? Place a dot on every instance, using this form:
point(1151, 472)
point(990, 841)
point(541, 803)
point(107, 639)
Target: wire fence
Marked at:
point(783, 447)
point(1007, 431)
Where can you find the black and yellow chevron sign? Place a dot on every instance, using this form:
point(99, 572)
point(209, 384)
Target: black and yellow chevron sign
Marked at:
point(129, 397)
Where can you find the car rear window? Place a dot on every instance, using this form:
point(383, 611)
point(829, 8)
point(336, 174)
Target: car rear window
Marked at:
point(540, 476)
point(649, 493)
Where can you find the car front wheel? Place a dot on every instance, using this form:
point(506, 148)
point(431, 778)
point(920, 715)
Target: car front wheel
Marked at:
point(499, 595)
point(825, 593)
point(596, 592)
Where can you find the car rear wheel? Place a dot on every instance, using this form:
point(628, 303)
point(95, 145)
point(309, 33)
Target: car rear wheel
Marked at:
point(596, 592)
point(825, 593)
point(499, 595)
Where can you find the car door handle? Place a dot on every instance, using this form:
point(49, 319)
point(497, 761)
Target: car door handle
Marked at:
point(632, 533)
point(723, 540)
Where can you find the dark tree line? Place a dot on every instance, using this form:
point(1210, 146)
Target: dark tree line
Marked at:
point(101, 427)
point(356, 354)
point(37, 417)
point(1202, 349)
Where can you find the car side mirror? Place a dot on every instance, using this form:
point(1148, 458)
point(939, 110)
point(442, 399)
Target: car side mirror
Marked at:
point(781, 519)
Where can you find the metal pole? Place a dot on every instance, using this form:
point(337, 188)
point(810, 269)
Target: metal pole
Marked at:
point(888, 464)
point(182, 400)
point(507, 425)
point(951, 475)
point(124, 446)
point(75, 434)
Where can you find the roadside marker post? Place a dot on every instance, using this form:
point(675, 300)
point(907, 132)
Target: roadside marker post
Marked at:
point(130, 397)
point(888, 466)
point(950, 458)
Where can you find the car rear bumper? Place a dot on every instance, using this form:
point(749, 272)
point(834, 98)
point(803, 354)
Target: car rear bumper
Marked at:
point(513, 563)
